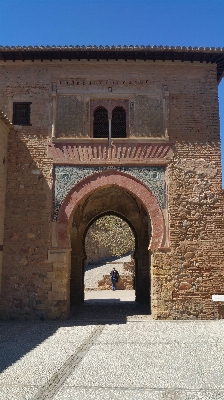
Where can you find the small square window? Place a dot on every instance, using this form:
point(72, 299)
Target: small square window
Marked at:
point(21, 113)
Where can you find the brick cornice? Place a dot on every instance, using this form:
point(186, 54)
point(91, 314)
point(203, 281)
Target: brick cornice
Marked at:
point(119, 153)
point(128, 53)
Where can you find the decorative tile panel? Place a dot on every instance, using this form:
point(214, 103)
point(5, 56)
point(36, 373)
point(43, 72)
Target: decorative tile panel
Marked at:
point(66, 177)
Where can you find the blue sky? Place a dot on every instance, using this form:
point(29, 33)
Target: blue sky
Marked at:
point(159, 22)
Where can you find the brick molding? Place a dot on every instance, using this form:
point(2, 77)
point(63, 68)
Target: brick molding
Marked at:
point(98, 153)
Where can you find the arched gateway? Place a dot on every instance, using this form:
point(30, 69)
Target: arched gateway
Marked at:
point(106, 192)
point(84, 141)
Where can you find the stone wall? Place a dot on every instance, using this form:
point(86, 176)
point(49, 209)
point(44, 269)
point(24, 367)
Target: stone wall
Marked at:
point(125, 282)
point(185, 279)
point(27, 239)
point(4, 130)
point(184, 274)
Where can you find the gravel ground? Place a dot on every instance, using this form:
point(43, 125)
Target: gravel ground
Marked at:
point(79, 359)
point(95, 272)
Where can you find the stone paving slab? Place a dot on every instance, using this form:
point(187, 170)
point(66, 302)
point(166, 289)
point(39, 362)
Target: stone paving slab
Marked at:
point(158, 360)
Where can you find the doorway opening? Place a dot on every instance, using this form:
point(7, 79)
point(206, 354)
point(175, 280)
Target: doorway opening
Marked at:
point(110, 201)
point(109, 243)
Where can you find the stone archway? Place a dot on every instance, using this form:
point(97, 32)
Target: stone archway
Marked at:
point(132, 233)
point(103, 179)
point(150, 218)
point(122, 203)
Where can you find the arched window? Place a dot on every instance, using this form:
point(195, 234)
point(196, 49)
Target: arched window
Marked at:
point(100, 123)
point(118, 124)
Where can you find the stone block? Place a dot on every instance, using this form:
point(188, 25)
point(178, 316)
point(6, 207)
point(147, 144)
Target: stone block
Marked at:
point(57, 295)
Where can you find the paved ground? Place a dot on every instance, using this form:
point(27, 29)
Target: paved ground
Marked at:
point(122, 359)
point(108, 296)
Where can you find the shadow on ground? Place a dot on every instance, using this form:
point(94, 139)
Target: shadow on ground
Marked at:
point(17, 338)
point(109, 311)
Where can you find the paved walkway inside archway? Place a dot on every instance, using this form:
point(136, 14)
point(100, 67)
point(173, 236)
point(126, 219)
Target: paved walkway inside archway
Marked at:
point(107, 306)
point(151, 360)
point(108, 296)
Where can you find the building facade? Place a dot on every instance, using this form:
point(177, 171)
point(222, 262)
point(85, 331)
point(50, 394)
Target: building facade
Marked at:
point(129, 131)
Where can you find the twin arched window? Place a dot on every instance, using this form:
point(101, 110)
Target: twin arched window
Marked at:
point(101, 123)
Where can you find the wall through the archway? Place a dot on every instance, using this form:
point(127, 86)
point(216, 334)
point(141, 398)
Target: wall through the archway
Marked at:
point(108, 237)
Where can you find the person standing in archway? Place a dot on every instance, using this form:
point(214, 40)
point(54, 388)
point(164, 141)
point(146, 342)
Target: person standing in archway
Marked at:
point(114, 278)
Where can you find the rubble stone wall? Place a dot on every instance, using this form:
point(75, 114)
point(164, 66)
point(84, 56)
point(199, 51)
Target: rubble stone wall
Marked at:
point(185, 275)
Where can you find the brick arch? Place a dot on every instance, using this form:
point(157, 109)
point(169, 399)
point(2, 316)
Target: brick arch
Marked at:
point(103, 179)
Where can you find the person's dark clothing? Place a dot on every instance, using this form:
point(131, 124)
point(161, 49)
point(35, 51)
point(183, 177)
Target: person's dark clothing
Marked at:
point(114, 278)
